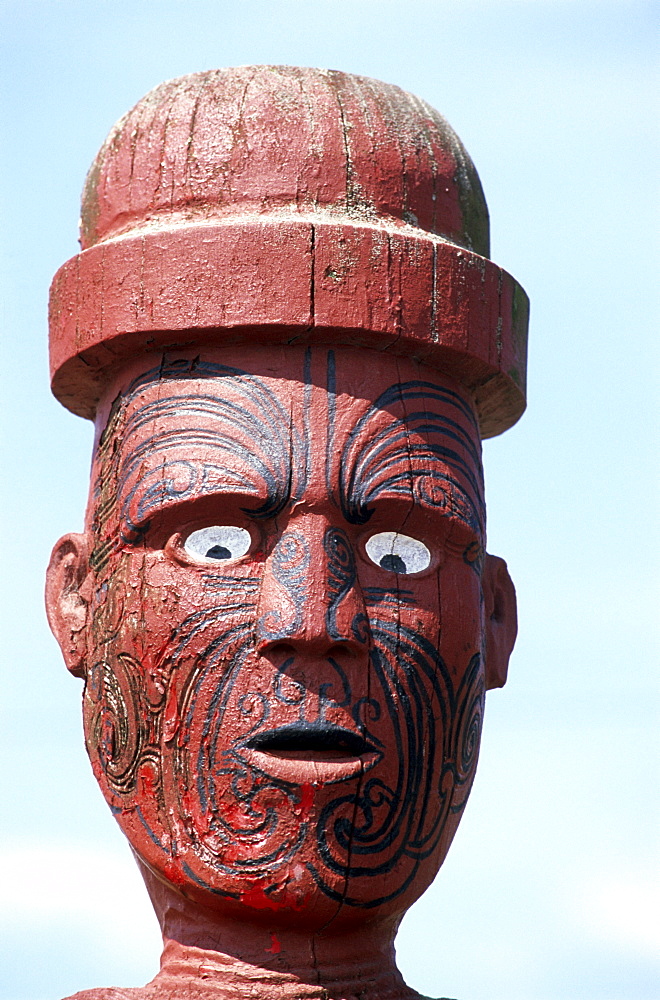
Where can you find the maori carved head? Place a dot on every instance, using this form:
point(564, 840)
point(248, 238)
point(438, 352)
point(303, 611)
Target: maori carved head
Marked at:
point(285, 323)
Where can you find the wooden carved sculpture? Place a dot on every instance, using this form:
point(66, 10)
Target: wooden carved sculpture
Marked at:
point(286, 326)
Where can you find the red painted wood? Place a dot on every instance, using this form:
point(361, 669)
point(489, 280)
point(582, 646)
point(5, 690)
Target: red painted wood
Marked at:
point(363, 199)
point(281, 603)
point(257, 138)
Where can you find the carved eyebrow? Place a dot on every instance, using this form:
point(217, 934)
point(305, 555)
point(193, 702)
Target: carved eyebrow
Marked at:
point(429, 485)
point(145, 501)
point(228, 467)
point(421, 445)
point(230, 422)
point(245, 422)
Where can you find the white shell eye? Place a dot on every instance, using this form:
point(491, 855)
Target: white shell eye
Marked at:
point(218, 543)
point(398, 553)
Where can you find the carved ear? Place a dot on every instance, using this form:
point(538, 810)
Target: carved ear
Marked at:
point(66, 607)
point(501, 619)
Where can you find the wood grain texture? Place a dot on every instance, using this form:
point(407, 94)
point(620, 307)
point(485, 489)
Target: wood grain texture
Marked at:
point(286, 326)
point(279, 204)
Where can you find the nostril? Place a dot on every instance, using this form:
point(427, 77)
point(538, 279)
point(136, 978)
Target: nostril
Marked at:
point(341, 650)
point(279, 650)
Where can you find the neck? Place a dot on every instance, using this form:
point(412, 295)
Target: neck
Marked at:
point(228, 958)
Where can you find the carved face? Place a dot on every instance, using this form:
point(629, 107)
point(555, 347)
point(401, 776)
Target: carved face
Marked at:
point(285, 634)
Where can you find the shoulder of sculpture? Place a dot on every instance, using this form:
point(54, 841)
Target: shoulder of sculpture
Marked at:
point(418, 996)
point(107, 993)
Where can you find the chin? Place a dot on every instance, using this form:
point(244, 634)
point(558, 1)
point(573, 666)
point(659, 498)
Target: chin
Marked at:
point(307, 891)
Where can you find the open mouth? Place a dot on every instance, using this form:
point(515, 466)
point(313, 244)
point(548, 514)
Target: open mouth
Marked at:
point(332, 752)
point(310, 738)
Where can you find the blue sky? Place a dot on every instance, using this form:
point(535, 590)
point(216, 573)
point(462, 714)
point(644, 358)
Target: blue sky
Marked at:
point(546, 893)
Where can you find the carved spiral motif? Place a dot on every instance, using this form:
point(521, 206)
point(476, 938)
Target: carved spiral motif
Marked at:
point(117, 726)
point(467, 728)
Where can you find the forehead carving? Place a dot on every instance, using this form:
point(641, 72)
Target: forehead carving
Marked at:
point(189, 430)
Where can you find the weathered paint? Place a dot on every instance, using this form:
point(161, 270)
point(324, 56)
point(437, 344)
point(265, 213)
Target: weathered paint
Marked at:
point(362, 199)
point(289, 345)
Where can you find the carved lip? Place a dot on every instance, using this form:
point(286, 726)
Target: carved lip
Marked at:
point(310, 751)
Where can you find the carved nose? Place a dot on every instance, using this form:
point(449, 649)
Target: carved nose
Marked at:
point(311, 603)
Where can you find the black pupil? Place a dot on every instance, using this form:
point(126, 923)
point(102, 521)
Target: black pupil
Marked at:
point(394, 563)
point(218, 552)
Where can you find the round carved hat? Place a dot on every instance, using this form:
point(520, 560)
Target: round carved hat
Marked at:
point(275, 204)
